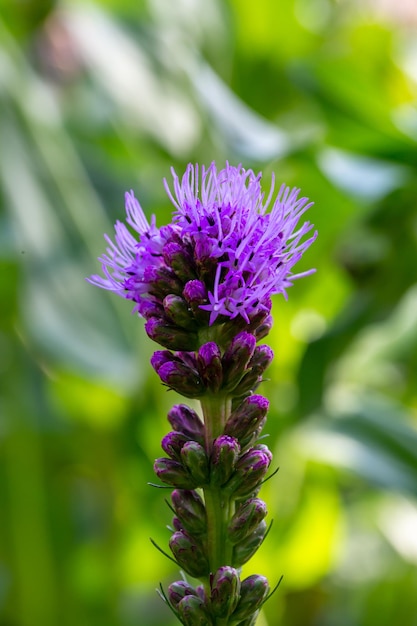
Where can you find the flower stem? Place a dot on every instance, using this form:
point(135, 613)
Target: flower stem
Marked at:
point(219, 506)
point(218, 514)
point(216, 410)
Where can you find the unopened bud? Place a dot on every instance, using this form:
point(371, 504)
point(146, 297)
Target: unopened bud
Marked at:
point(149, 308)
point(260, 360)
point(262, 447)
point(173, 473)
point(249, 473)
point(195, 293)
point(172, 444)
point(225, 589)
point(205, 262)
point(203, 249)
point(236, 358)
point(210, 365)
point(245, 550)
point(189, 554)
point(249, 383)
point(178, 590)
point(177, 524)
point(179, 260)
point(194, 458)
point(169, 336)
point(253, 592)
point(161, 281)
point(190, 509)
point(246, 519)
point(159, 358)
point(260, 314)
point(246, 419)
point(184, 419)
point(188, 358)
point(224, 455)
point(193, 612)
point(264, 328)
point(181, 378)
point(178, 312)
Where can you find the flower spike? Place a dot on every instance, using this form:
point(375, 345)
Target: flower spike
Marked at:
point(203, 284)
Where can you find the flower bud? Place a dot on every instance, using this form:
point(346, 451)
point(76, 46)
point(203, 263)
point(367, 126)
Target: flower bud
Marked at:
point(246, 419)
point(181, 378)
point(210, 365)
point(249, 473)
point(189, 554)
point(187, 358)
point(260, 360)
point(172, 444)
point(160, 357)
point(180, 260)
point(193, 612)
point(245, 550)
point(195, 293)
point(161, 281)
point(177, 312)
point(246, 519)
point(224, 455)
point(172, 337)
point(225, 589)
point(149, 308)
point(262, 447)
point(236, 358)
point(231, 328)
point(191, 511)
point(264, 328)
point(253, 592)
point(194, 458)
point(203, 249)
point(184, 419)
point(206, 264)
point(177, 524)
point(178, 590)
point(173, 473)
point(260, 314)
point(249, 384)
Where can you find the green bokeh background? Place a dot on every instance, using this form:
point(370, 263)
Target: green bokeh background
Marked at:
point(100, 97)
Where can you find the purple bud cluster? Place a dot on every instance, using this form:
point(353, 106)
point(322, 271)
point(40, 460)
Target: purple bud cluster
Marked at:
point(228, 598)
point(232, 461)
point(238, 371)
point(235, 463)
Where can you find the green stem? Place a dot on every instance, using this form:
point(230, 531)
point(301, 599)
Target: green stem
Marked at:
point(216, 410)
point(219, 506)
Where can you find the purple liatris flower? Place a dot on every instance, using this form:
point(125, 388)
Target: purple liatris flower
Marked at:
point(204, 283)
point(224, 233)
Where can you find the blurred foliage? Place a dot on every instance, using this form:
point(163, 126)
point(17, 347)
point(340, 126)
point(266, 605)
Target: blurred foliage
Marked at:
point(99, 97)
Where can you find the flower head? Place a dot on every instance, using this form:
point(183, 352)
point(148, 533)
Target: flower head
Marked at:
point(225, 236)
